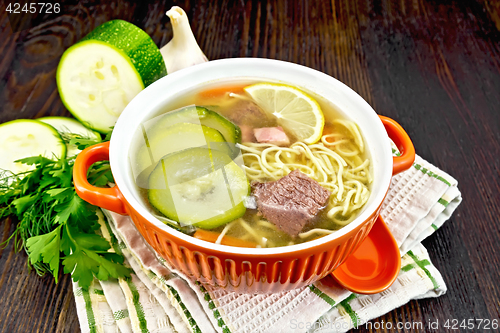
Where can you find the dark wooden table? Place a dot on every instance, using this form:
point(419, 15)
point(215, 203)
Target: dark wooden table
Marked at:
point(434, 67)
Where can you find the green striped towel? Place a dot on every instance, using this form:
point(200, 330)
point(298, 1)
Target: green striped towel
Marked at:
point(159, 299)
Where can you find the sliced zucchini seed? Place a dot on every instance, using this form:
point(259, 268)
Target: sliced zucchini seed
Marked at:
point(114, 70)
point(99, 75)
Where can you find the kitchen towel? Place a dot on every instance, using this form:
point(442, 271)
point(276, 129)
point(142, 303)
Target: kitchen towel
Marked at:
point(160, 299)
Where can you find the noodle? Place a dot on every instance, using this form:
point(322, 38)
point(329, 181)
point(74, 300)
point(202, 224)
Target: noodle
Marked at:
point(267, 224)
point(223, 233)
point(334, 162)
point(315, 231)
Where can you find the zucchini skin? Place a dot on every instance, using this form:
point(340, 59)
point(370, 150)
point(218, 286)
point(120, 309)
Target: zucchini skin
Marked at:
point(134, 43)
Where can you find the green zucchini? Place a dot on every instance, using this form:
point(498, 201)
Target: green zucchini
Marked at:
point(69, 126)
point(170, 139)
point(98, 76)
point(204, 116)
point(200, 187)
point(26, 138)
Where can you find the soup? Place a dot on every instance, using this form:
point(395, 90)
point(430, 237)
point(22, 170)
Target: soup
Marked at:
point(249, 163)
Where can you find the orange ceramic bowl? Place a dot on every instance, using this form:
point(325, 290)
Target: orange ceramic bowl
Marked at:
point(239, 269)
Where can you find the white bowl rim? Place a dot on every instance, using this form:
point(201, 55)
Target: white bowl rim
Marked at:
point(129, 119)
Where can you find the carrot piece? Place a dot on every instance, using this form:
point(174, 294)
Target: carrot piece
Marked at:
point(211, 237)
point(328, 129)
point(221, 91)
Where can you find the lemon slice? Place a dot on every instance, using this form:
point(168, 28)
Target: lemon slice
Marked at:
point(296, 111)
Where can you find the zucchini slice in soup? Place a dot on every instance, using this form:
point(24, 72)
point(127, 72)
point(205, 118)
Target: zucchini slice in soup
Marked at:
point(203, 116)
point(200, 187)
point(98, 76)
point(171, 139)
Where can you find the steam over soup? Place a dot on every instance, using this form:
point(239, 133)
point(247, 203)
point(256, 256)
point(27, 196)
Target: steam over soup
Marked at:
point(252, 164)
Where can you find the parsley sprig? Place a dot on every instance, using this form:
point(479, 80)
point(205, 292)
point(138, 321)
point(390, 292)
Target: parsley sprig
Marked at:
point(55, 226)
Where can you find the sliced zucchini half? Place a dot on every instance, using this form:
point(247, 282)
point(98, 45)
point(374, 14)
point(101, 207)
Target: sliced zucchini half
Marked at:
point(200, 187)
point(25, 138)
point(204, 116)
point(173, 138)
point(69, 126)
point(98, 76)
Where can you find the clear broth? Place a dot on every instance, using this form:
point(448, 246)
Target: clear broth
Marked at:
point(237, 110)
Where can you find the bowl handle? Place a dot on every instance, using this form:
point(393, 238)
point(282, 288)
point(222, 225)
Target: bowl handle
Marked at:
point(107, 198)
point(404, 144)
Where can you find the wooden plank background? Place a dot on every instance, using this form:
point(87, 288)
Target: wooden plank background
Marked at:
point(434, 66)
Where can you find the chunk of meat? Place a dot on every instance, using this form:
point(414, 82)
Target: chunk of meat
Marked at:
point(247, 113)
point(291, 201)
point(274, 135)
